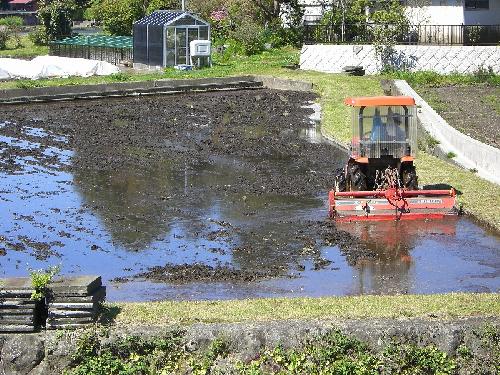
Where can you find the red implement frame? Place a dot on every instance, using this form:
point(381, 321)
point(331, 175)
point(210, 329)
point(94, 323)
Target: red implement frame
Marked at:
point(392, 204)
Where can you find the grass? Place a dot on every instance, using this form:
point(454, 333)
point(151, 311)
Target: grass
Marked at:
point(428, 78)
point(479, 197)
point(494, 102)
point(27, 50)
point(442, 306)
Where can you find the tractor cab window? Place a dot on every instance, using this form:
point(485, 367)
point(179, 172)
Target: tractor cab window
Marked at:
point(384, 130)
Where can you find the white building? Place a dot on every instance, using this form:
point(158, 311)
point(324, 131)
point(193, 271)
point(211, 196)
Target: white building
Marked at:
point(454, 12)
point(428, 12)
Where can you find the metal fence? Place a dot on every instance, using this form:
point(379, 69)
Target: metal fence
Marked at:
point(114, 50)
point(473, 35)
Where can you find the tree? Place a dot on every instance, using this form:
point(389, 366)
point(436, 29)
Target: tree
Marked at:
point(118, 16)
point(391, 25)
point(162, 4)
point(56, 16)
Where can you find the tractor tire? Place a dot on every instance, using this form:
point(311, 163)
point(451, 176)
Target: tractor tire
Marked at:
point(340, 180)
point(409, 177)
point(357, 178)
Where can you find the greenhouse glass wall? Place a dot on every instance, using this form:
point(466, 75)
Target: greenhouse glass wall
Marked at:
point(163, 37)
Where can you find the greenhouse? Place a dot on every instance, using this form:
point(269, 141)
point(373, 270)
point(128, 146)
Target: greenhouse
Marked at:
point(163, 38)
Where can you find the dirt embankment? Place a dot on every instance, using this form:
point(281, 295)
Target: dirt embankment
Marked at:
point(473, 110)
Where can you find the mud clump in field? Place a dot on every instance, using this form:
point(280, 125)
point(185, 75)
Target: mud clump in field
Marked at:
point(201, 272)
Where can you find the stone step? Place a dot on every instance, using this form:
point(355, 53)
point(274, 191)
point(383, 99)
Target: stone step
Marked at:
point(15, 319)
point(15, 293)
point(68, 324)
point(71, 306)
point(75, 286)
point(16, 303)
point(98, 296)
point(80, 320)
point(17, 311)
point(55, 314)
point(17, 328)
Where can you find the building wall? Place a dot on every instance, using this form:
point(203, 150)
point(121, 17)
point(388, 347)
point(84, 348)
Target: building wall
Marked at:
point(484, 16)
point(453, 12)
point(436, 14)
point(441, 59)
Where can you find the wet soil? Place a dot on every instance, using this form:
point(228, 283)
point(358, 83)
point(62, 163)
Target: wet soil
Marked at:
point(130, 159)
point(474, 110)
point(206, 195)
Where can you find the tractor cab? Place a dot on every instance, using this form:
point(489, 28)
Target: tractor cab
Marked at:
point(383, 127)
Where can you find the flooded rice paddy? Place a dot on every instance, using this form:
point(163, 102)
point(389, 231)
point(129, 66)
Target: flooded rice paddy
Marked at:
point(208, 196)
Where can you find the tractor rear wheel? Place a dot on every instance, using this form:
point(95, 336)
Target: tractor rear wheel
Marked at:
point(357, 178)
point(410, 178)
point(340, 180)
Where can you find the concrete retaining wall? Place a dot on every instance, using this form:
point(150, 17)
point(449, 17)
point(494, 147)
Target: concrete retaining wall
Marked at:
point(470, 153)
point(441, 59)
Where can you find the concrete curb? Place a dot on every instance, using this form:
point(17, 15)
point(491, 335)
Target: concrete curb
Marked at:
point(164, 86)
point(471, 154)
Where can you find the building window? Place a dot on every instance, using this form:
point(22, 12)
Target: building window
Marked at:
point(477, 4)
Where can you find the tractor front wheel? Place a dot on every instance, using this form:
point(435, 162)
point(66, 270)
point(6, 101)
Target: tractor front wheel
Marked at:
point(357, 178)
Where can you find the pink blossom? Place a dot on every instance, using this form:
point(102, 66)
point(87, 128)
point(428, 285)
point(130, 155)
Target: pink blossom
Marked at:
point(219, 15)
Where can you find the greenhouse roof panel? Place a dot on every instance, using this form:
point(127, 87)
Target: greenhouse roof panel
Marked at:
point(166, 17)
point(160, 17)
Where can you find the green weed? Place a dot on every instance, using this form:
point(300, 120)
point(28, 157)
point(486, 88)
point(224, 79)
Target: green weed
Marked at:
point(40, 279)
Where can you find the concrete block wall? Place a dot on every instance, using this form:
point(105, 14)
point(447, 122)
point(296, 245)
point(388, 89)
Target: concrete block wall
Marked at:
point(441, 59)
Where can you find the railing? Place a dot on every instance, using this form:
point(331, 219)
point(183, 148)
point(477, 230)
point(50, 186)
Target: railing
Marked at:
point(474, 35)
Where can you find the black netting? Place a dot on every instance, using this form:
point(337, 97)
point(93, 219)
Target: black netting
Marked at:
point(140, 44)
point(155, 39)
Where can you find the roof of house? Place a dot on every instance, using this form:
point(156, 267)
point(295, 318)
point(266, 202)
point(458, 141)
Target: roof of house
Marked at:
point(165, 17)
point(20, 1)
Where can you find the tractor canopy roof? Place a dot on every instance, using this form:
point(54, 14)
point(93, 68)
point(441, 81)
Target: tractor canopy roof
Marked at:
point(374, 101)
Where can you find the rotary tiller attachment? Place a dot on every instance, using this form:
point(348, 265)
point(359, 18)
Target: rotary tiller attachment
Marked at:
point(392, 204)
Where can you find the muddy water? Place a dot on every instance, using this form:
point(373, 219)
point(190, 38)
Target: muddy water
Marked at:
point(214, 209)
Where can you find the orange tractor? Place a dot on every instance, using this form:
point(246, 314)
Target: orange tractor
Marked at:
point(379, 181)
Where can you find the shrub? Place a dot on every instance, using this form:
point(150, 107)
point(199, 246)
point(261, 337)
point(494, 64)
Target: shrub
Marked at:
point(161, 4)
point(12, 22)
point(40, 279)
point(13, 25)
point(56, 16)
point(4, 37)
point(39, 36)
point(250, 35)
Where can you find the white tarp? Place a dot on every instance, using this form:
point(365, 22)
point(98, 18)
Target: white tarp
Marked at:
point(54, 66)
